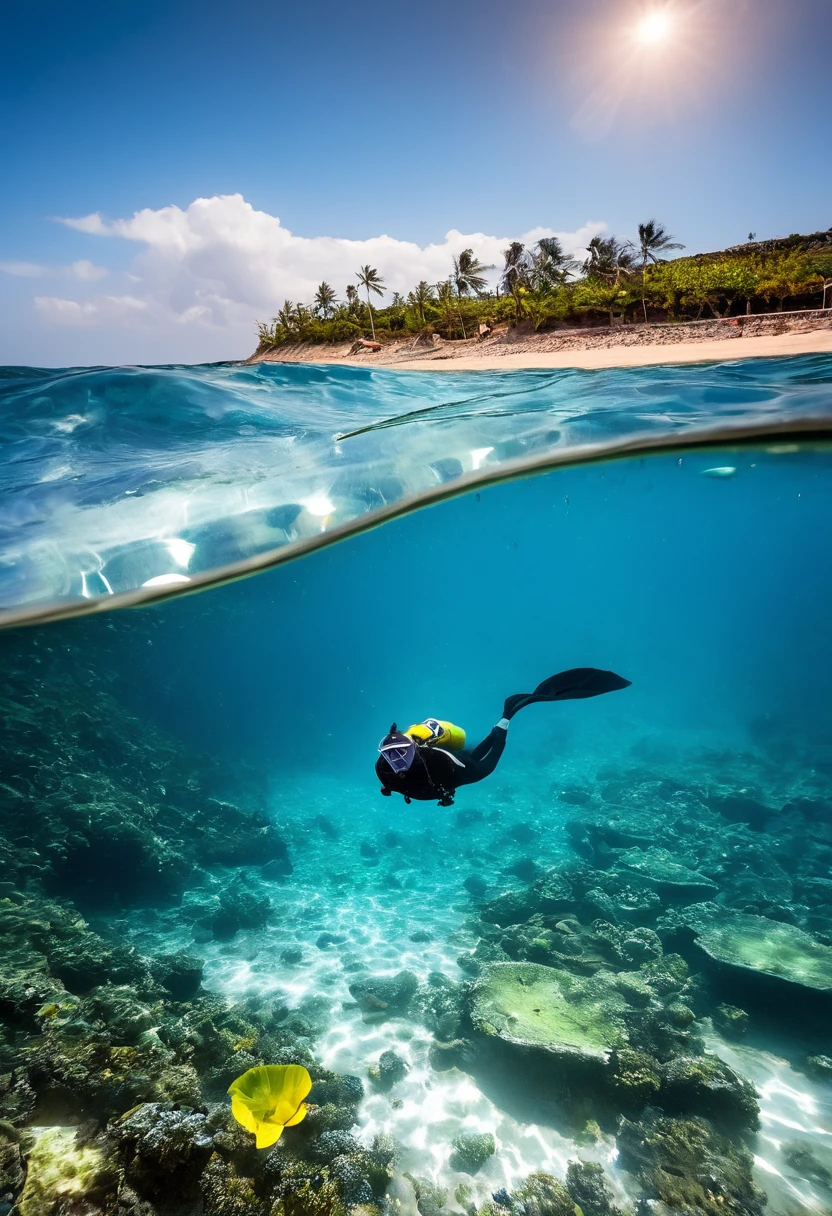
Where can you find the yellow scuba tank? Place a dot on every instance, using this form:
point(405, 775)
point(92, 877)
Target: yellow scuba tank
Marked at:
point(435, 731)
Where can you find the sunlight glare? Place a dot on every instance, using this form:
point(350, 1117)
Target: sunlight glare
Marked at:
point(654, 27)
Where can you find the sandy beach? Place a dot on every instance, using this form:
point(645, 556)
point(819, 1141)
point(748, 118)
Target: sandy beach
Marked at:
point(632, 346)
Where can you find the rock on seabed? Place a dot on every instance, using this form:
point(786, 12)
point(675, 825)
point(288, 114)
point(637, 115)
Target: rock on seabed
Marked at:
point(769, 947)
point(530, 1005)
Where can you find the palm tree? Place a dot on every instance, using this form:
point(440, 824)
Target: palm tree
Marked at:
point(352, 298)
point(608, 258)
point(653, 240)
point(515, 271)
point(286, 315)
point(549, 265)
point(447, 303)
point(420, 297)
point(468, 278)
point(324, 299)
point(370, 280)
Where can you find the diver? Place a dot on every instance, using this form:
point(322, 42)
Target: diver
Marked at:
point(430, 760)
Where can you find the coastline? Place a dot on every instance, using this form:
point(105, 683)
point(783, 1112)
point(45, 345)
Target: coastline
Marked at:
point(736, 338)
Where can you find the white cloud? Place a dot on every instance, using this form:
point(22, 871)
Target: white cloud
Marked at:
point(84, 270)
point(93, 224)
point(218, 265)
point(64, 312)
point(23, 270)
point(103, 310)
point(87, 271)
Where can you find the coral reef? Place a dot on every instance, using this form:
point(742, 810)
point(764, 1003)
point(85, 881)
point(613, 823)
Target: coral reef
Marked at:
point(587, 1186)
point(385, 996)
point(390, 1069)
point(689, 1166)
point(98, 806)
point(598, 980)
point(63, 1175)
point(470, 1153)
point(540, 1007)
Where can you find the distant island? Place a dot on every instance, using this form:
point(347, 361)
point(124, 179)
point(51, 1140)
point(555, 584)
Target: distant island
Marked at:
point(623, 293)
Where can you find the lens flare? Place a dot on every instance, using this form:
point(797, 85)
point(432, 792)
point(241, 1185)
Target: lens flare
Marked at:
point(654, 27)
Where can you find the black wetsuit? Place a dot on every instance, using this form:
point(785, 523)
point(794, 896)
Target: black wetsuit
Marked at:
point(436, 773)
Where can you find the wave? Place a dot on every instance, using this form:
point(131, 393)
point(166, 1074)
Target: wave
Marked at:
point(131, 483)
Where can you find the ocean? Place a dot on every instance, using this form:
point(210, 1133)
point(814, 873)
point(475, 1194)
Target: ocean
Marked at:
point(598, 981)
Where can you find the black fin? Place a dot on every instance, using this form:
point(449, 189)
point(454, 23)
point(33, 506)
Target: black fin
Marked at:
point(572, 685)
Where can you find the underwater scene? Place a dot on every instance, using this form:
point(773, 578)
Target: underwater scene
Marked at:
point(477, 864)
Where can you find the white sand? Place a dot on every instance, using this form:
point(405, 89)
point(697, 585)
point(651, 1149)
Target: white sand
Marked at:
point(780, 345)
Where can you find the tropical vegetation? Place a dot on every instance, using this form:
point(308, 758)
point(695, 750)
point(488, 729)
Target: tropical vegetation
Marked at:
point(543, 287)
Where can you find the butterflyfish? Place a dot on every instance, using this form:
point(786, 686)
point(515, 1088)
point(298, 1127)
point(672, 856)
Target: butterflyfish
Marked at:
point(268, 1098)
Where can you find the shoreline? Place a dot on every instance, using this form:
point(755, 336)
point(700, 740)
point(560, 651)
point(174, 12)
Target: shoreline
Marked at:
point(720, 341)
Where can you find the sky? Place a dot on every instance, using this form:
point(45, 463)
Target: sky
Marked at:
point(172, 171)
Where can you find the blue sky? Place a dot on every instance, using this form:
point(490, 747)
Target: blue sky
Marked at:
point(352, 123)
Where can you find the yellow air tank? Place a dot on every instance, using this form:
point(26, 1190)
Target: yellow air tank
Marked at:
point(443, 734)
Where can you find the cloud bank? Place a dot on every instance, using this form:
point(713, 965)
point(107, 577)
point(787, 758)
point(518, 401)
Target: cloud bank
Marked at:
point(219, 265)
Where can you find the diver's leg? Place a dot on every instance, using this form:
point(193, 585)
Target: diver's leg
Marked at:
point(486, 755)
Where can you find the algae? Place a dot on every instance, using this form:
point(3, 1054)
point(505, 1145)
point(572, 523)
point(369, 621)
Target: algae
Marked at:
point(536, 1006)
point(755, 943)
point(63, 1175)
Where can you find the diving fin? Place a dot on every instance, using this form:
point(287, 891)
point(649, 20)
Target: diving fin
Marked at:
point(570, 685)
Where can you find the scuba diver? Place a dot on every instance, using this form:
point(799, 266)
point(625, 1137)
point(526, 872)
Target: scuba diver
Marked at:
point(430, 760)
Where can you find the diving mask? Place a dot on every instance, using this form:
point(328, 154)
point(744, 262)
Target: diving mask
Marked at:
point(398, 750)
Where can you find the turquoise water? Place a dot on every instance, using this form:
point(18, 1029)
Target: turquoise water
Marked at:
point(616, 951)
point(116, 478)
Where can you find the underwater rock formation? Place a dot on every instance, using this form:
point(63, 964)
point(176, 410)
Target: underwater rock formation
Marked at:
point(537, 1007)
point(385, 996)
point(98, 806)
point(689, 1167)
point(470, 1153)
point(66, 1175)
point(781, 951)
point(389, 1069)
point(587, 1186)
point(539, 1195)
point(660, 870)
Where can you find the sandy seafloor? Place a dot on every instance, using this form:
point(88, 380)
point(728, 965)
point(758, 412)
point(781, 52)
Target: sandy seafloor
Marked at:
point(330, 893)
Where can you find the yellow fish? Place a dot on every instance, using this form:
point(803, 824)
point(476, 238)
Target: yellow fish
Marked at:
point(267, 1099)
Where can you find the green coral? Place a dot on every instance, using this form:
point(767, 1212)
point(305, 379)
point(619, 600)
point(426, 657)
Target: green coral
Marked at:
point(430, 1198)
point(705, 1085)
point(690, 1167)
point(63, 1175)
point(12, 1172)
point(587, 1185)
point(532, 1005)
point(307, 1199)
point(464, 1195)
point(661, 870)
point(636, 1076)
point(755, 943)
point(470, 1153)
point(542, 1195)
point(731, 1021)
point(224, 1193)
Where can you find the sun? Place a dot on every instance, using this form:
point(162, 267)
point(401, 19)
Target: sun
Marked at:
point(654, 27)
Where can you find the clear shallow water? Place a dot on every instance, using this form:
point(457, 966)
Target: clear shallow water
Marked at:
point(197, 776)
point(117, 478)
